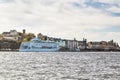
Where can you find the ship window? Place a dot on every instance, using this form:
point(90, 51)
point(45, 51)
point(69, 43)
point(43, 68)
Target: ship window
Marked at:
point(25, 47)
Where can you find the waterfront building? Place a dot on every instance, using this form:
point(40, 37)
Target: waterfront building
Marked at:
point(97, 45)
point(72, 45)
point(103, 45)
point(12, 35)
point(81, 45)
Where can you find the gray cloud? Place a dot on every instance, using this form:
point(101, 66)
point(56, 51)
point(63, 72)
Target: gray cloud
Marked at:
point(63, 18)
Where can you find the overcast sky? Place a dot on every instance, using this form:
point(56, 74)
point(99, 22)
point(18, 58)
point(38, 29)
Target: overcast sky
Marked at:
point(95, 20)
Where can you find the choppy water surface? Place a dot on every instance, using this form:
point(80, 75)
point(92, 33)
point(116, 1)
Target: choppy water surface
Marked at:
point(59, 66)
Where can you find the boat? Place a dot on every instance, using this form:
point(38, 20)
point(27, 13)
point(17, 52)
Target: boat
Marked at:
point(37, 45)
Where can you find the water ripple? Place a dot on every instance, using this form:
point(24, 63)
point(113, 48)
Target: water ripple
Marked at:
point(59, 66)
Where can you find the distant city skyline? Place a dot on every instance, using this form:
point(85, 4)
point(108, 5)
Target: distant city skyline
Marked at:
point(95, 20)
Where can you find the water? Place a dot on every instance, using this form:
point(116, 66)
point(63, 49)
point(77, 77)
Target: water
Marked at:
point(60, 66)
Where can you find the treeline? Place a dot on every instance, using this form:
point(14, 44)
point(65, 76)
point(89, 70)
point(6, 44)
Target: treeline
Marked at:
point(8, 45)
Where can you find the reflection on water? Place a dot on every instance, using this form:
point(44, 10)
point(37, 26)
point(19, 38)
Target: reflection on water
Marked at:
point(60, 66)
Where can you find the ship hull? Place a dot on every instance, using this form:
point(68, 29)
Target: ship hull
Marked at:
point(39, 50)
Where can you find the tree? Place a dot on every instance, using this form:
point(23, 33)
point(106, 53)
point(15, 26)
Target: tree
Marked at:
point(28, 37)
point(1, 36)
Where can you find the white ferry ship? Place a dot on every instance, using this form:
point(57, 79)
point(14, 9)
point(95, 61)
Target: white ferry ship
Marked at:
point(37, 45)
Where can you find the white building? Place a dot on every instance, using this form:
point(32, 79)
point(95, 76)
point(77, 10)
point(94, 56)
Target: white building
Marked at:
point(72, 45)
point(12, 35)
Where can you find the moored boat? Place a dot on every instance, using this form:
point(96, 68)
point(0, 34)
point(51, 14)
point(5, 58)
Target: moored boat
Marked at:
point(37, 45)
